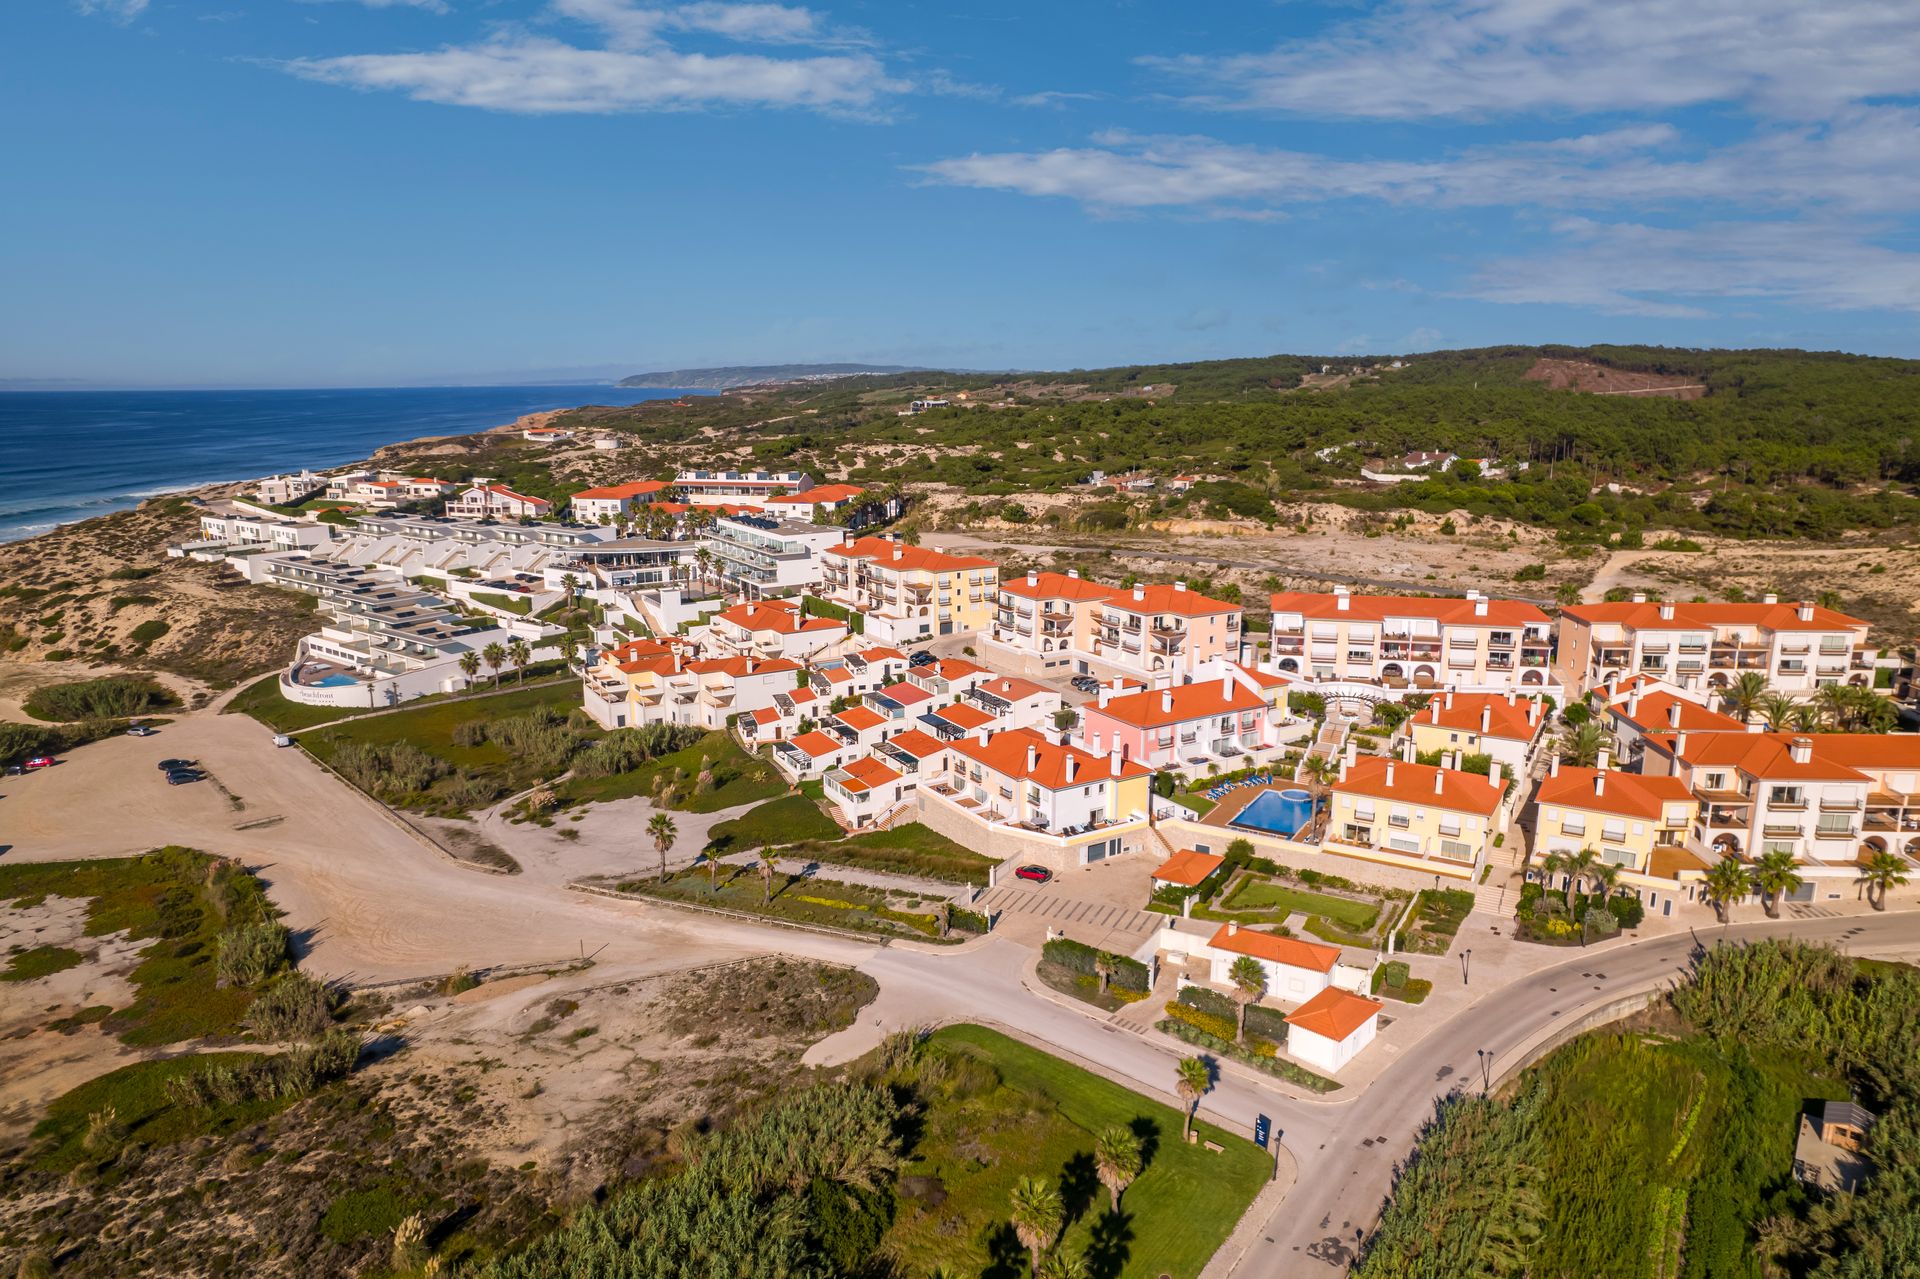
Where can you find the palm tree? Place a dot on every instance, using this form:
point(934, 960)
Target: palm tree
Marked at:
point(1581, 745)
point(1606, 877)
point(1880, 873)
point(1726, 884)
point(1249, 978)
point(1037, 1217)
point(1805, 718)
point(1776, 709)
point(1103, 966)
point(571, 585)
point(1116, 1158)
point(1193, 1077)
point(1744, 694)
point(495, 657)
point(519, 654)
point(1835, 704)
point(663, 832)
point(704, 558)
point(1063, 1265)
point(766, 873)
point(470, 666)
point(1775, 876)
point(1577, 867)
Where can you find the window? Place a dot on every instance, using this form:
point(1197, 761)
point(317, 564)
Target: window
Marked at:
point(1354, 834)
point(1454, 850)
point(1402, 844)
point(1777, 846)
point(1574, 824)
point(1618, 857)
point(1615, 831)
point(1836, 824)
point(1786, 797)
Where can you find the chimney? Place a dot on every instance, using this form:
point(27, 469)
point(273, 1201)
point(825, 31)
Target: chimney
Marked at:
point(1756, 726)
point(1639, 597)
point(1093, 742)
point(1105, 696)
point(1679, 745)
point(1179, 586)
point(980, 735)
point(1166, 701)
point(1603, 759)
point(1511, 695)
point(1233, 929)
point(1139, 593)
point(1800, 750)
point(1341, 776)
point(1770, 598)
point(1073, 766)
point(1806, 612)
point(1226, 684)
point(1480, 607)
point(1352, 752)
point(1341, 599)
point(1553, 767)
point(1033, 578)
point(1486, 718)
point(1033, 757)
point(899, 552)
point(1439, 780)
point(1406, 750)
point(1533, 711)
point(1449, 699)
point(1389, 770)
point(1633, 704)
point(1600, 782)
point(676, 661)
point(1666, 611)
point(1074, 573)
point(1114, 760)
point(1673, 714)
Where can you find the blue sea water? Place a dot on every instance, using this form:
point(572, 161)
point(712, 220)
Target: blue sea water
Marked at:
point(71, 455)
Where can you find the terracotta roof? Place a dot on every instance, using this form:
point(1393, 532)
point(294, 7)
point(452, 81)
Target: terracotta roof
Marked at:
point(818, 743)
point(1163, 598)
point(1334, 1013)
point(501, 490)
point(1504, 720)
point(822, 495)
point(1653, 713)
point(1277, 950)
point(957, 668)
point(917, 744)
point(964, 717)
point(1768, 756)
point(621, 492)
point(861, 718)
point(1055, 586)
point(866, 773)
point(766, 715)
point(836, 675)
point(1626, 794)
point(899, 555)
point(1007, 753)
point(743, 665)
point(1413, 784)
point(1188, 868)
point(907, 694)
point(777, 616)
point(1772, 617)
point(1012, 688)
point(881, 653)
point(1155, 707)
point(1376, 608)
point(1879, 751)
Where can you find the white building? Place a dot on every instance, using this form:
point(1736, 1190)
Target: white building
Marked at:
point(290, 489)
point(762, 556)
point(497, 502)
point(715, 488)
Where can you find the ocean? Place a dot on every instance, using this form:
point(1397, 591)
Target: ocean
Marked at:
point(71, 455)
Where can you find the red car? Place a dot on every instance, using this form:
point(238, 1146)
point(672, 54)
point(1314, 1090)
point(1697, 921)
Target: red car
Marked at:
point(42, 761)
point(1038, 874)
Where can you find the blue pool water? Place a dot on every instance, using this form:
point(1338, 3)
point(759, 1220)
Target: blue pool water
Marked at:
point(335, 681)
point(1277, 812)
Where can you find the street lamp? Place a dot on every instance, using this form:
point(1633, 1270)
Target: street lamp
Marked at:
point(1465, 955)
point(1486, 1071)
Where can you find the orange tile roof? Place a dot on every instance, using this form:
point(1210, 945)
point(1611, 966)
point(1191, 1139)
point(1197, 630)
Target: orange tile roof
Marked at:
point(1626, 794)
point(867, 773)
point(1772, 617)
point(1377, 608)
point(1188, 868)
point(818, 743)
point(1413, 784)
point(1334, 1013)
point(620, 492)
point(1154, 707)
point(1767, 756)
point(766, 715)
point(899, 555)
point(907, 694)
point(820, 495)
point(964, 717)
point(917, 744)
point(743, 665)
point(1055, 586)
point(861, 718)
point(777, 616)
point(1012, 688)
point(1161, 597)
point(1290, 951)
point(958, 668)
point(836, 675)
point(1653, 712)
point(1504, 720)
point(1007, 752)
point(881, 653)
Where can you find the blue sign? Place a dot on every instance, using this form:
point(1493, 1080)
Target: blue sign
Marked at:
point(1262, 1126)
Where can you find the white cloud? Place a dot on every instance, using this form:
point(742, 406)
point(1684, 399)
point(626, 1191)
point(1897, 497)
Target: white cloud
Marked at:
point(1054, 98)
point(121, 11)
point(1429, 58)
point(637, 70)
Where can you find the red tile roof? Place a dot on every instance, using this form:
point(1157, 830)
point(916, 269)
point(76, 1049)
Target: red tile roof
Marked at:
point(1772, 617)
point(917, 744)
point(867, 773)
point(965, 717)
point(861, 718)
point(1055, 586)
point(818, 744)
point(1276, 950)
point(1413, 784)
point(743, 665)
point(1163, 598)
point(1834, 757)
point(1377, 608)
point(907, 694)
point(1012, 688)
point(1155, 707)
point(1653, 713)
point(899, 555)
point(620, 492)
point(1504, 720)
point(777, 616)
point(820, 495)
point(1625, 794)
point(1334, 1013)
point(1007, 753)
point(1188, 868)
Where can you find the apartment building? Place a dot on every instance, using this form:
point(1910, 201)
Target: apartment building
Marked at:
point(871, 789)
point(1047, 618)
point(792, 711)
point(1440, 815)
point(1020, 778)
point(1164, 633)
point(711, 488)
point(385, 490)
point(1504, 726)
point(290, 489)
point(853, 675)
point(774, 628)
point(623, 563)
point(224, 531)
point(1796, 647)
point(821, 499)
point(910, 593)
point(666, 687)
point(1186, 728)
point(813, 754)
point(1651, 710)
point(1636, 821)
point(1401, 641)
point(1014, 702)
point(763, 556)
point(613, 501)
point(497, 502)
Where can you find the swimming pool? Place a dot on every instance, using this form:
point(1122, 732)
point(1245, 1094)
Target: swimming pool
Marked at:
point(335, 681)
point(1276, 812)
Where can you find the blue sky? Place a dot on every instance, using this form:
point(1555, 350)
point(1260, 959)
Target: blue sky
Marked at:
point(355, 192)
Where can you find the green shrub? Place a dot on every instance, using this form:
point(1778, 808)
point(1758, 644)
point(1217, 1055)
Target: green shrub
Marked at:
point(111, 697)
point(295, 1007)
point(1225, 1028)
point(1394, 973)
point(149, 631)
point(1076, 957)
point(1627, 911)
point(252, 953)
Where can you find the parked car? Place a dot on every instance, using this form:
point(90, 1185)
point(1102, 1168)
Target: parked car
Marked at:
point(181, 776)
point(281, 739)
point(922, 658)
point(1085, 683)
point(1038, 874)
point(42, 761)
point(14, 770)
point(174, 765)
point(139, 730)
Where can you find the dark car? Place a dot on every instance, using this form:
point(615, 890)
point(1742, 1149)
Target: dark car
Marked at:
point(181, 776)
point(174, 765)
point(1038, 874)
point(922, 658)
point(1086, 683)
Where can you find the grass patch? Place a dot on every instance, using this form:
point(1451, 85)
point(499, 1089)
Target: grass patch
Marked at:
point(40, 961)
point(505, 603)
point(372, 1210)
point(785, 820)
point(264, 701)
point(1259, 894)
point(113, 697)
point(138, 1095)
point(797, 825)
point(1436, 920)
point(674, 779)
point(1084, 988)
point(798, 899)
point(1026, 1113)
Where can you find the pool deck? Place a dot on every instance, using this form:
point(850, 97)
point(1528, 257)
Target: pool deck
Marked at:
point(1237, 799)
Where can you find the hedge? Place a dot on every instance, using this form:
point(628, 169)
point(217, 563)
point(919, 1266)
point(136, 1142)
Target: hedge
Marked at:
point(1227, 1048)
point(1219, 1027)
point(1077, 957)
point(966, 921)
point(1268, 1023)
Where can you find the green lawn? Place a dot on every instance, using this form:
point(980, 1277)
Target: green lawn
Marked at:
point(739, 778)
point(1039, 1119)
point(40, 961)
point(791, 818)
point(825, 903)
point(505, 603)
point(138, 1095)
point(262, 700)
point(797, 825)
point(1260, 894)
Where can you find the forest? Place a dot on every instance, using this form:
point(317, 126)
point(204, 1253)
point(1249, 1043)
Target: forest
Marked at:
point(1782, 443)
